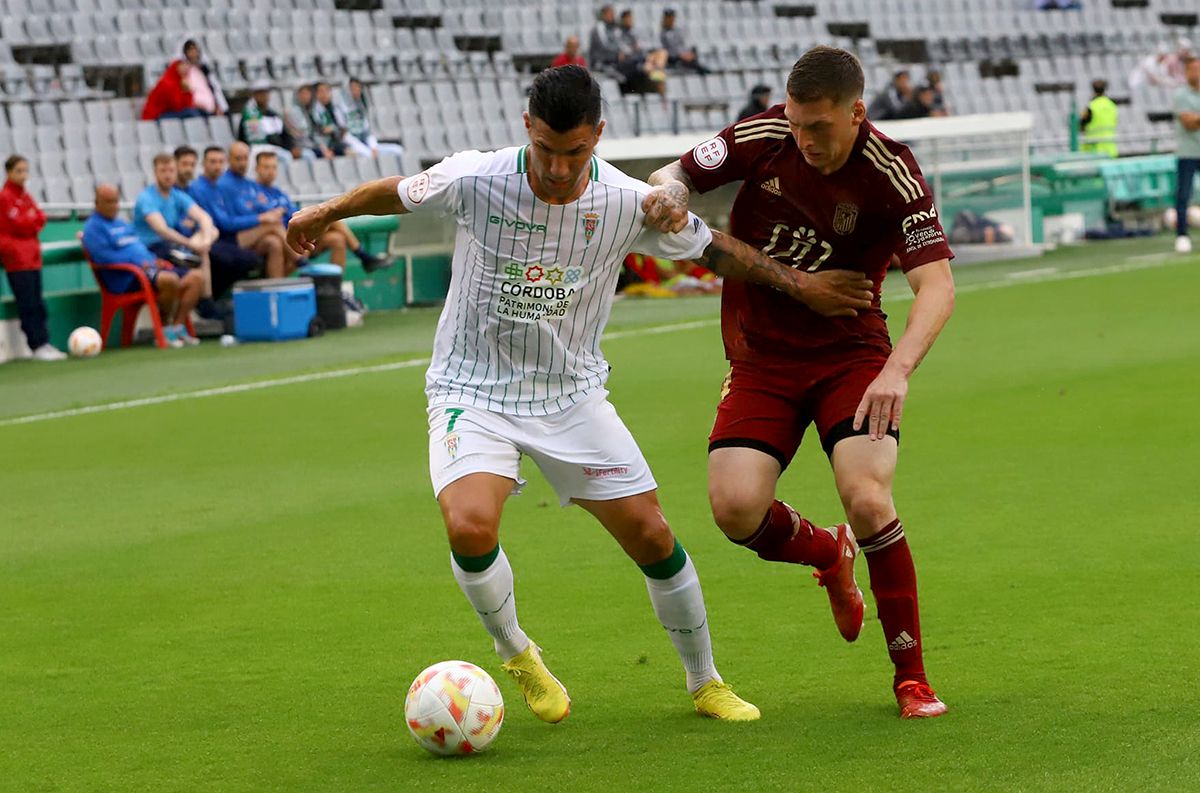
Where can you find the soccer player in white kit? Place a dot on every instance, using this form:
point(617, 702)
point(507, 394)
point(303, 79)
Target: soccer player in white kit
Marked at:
point(517, 370)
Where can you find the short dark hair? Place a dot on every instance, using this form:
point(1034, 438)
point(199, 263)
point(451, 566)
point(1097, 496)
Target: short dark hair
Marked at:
point(628, 12)
point(162, 158)
point(210, 149)
point(826, 73)
point(13, 162)
point(264, 155)
point(565, 97)
point(183, 151)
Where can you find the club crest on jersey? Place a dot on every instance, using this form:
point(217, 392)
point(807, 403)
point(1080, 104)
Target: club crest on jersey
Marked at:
point(590, 221)
point(845, 216)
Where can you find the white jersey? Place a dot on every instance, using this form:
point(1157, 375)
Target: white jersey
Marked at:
point(532, 283)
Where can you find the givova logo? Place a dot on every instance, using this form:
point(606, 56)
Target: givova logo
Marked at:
point(517, 224)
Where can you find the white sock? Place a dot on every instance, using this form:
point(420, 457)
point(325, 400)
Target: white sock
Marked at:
point(679, 605)
point(491, 595)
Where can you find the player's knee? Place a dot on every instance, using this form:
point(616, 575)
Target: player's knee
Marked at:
point(869, 506)
point(651, 539)
point(472, 532)
point(735, 514)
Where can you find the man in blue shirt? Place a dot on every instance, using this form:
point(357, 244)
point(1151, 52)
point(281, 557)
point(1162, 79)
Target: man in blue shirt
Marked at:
point(241, 200)
point(260, 233)
point(337, 240)
point(171, 224)
point(110, 239)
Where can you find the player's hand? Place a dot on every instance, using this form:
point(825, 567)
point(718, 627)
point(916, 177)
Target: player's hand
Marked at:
point(306, 229)
point(882, 404)
point(838, 293)
point(198, 244)
point(666, 208)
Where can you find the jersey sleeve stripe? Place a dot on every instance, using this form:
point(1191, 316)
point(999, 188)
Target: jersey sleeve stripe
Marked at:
point(760, 122)
point(900, 188)
point(759, 135)
point(750, 127)
point(883, 157)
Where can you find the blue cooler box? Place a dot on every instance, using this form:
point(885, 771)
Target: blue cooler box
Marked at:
point(273, 309)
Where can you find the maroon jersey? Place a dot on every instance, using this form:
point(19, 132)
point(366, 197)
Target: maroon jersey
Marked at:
point(875, 205)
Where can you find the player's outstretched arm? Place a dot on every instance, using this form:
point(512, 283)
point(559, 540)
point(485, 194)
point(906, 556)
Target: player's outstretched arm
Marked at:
point(378, 197)
point(833, 293)
point(883, 403)
point(666, 206)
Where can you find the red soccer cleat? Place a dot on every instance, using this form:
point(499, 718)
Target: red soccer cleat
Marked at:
point(917, 701)
point(845, 598)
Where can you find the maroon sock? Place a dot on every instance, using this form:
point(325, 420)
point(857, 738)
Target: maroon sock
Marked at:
point(894, 584)
point(779, 539)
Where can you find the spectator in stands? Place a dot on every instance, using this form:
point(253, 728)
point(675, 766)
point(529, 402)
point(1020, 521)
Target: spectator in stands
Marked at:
point(679, 54)
point(171, 96)
point(159, 217)
point(644, 70)
point(1057, 5)
point(933, 77)
point(570, 55)
point(261, 127)
point(1098, 123)
point(1186, 105)
point(356, 109)
point(201, 80)
point(887, 103)
point(243, 199)
point(110, 239)
point(328, 130)
point(185, 166)
point(760, 100)
point(21, 254)
point(1153, 69)
point(229, 261)
point(920, 105)
point(337, 240)
point(604, 46)
point(299, 126)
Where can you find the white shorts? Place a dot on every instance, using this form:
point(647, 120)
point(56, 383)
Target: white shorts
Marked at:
point(585, 452)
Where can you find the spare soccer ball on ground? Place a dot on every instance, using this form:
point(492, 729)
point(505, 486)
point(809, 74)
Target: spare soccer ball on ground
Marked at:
point(84, 342)
point(454, 708)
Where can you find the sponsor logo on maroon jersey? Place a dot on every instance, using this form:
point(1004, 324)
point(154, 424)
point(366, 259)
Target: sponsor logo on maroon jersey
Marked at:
point(845, 216)
point(918, 217)
point(601, 473)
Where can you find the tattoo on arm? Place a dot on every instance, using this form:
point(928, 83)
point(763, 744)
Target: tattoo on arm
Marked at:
point(672, 172)
point(731, 258)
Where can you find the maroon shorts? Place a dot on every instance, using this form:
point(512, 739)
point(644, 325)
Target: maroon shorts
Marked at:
point(767, 406)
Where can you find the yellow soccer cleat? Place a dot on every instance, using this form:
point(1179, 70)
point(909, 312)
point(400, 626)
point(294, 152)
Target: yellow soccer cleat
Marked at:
point(716, 700)
point(543, 693)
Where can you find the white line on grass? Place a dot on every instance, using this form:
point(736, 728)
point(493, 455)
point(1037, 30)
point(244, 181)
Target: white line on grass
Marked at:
point(1042, 276)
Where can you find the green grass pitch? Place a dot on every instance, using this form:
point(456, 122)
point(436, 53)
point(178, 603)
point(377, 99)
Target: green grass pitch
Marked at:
point(232, 593)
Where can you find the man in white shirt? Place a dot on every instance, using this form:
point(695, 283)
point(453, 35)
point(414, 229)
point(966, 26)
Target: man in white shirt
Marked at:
point(517, 368)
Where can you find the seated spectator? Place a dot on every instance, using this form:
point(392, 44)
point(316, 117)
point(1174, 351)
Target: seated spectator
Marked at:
point(328, 130)
point(356, 109)
point(1153, 69)
point(337, 240)
point(261, 127)
point(887, 103)
point(298, 124)
point(201, 80)
point(159, 220)
point(920, 105)
point(110, 239)
point(679, 54)
point(171, 97)
point(242, 199)
point(760, 100)
point(644, 71)
point(934, 78)
point(229, 263)
point(21, 255)
point(604, 46)
point(570, 55)
point(185, 167)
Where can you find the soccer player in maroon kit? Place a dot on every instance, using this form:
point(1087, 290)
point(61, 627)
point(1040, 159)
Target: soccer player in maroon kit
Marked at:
point(823, 189)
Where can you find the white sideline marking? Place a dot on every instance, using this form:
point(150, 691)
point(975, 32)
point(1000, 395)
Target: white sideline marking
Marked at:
point(1043, 275)
point(1032, 274)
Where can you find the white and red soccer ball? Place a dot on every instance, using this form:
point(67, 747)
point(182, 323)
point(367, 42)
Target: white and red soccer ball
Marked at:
point(84, 342)
point(454, 708)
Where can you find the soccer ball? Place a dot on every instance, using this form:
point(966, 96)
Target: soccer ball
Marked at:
point(454, 708)
point(84, 342)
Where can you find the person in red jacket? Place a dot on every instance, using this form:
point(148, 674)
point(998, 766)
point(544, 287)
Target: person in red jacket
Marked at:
point(570, 55)
point(171, 96)
point(21, 254)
